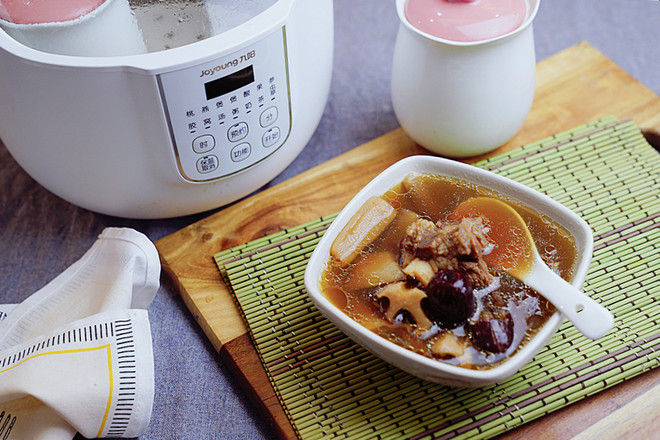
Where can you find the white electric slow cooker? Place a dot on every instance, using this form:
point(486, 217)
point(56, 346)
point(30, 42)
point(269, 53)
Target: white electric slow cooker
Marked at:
point(177, 120)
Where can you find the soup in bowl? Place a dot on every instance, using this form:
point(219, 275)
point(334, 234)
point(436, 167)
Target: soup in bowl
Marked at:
point(403, 274)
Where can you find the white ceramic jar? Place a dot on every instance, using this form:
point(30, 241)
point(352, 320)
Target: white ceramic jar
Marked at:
point(458, 98)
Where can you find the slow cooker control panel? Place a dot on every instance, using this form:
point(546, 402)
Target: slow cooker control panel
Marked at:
point(228, 114)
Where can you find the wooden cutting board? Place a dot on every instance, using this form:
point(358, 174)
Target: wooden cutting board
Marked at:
point(574, 87)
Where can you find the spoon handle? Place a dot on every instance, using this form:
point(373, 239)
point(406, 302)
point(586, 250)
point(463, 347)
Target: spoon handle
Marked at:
point(591, 318)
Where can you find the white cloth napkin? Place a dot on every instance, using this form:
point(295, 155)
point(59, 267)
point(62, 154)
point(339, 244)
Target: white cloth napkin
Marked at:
point(77, 354)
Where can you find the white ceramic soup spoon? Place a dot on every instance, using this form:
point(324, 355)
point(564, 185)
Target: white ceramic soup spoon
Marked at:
point(514, 252)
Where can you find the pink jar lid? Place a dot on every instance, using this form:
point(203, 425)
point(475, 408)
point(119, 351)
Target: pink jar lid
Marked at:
point(466, 20)
point(45, 11)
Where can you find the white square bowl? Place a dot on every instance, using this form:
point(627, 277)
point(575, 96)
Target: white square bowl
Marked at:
point(414, 363)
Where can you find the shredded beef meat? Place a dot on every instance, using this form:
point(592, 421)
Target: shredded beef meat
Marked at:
point(449, 245)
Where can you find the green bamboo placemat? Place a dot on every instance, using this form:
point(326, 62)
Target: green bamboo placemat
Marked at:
point(331, 387)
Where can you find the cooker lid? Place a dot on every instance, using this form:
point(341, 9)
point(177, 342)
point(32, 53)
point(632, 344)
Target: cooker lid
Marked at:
point(121, 27)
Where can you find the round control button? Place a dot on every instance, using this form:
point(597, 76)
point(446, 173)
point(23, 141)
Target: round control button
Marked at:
point(268, 116)
point(237, 132)
point(203, 144)
point(270, 137)
point(241, 152)
point(207, 164)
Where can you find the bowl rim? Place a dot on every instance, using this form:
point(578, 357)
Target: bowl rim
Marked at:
point(519, 192)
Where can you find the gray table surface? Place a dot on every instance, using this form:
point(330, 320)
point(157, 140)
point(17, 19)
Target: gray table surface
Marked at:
point(196, 396)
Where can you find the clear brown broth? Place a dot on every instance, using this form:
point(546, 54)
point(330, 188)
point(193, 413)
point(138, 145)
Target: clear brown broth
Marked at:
point(434, 198)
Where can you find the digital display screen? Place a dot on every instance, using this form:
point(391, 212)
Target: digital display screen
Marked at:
point(229, 83)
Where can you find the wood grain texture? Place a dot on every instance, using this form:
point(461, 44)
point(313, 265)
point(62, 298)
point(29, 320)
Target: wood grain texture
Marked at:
point(574, 87)
point(580, 417)
point(635, 419)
